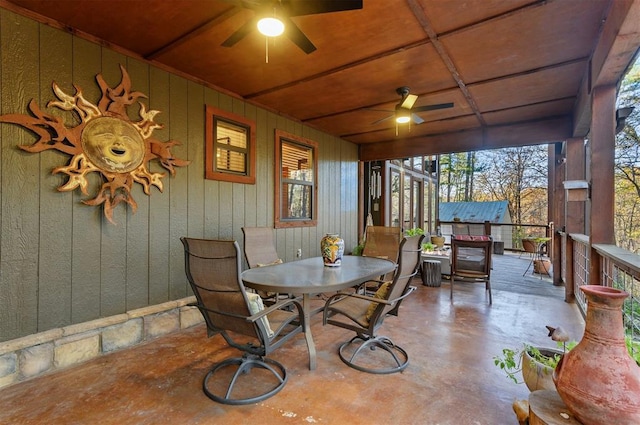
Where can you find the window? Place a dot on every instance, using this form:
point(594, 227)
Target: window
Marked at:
point(230, 151)
point(296, 177)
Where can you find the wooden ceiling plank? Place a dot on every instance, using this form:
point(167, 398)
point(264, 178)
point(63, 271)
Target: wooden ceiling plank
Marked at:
point(194, 33)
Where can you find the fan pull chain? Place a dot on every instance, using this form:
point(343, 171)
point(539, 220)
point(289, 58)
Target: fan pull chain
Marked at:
point(266, 50)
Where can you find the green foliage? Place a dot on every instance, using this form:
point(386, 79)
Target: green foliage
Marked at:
point(358, 250)
point(633, 347)
point(428, 246)
point(413, 232)
point(511, 360)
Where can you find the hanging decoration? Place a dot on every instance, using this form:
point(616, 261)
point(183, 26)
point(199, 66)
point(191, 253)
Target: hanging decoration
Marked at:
point(106, 142)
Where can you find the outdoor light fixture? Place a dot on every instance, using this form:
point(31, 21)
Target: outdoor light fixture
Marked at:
point(271, 27)
point(621, 117)
point(403, 115)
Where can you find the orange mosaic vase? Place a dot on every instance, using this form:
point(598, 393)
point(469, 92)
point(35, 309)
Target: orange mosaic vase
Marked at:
point(332, 248)
point(598, 380)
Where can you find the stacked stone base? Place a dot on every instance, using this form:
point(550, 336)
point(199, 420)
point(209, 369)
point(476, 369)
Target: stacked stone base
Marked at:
point(55, 349)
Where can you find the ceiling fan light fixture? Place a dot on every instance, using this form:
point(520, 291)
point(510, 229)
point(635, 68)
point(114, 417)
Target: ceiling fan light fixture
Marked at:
point(403, 115)
point(271, 27)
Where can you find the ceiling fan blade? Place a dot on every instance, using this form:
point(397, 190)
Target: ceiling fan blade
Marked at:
point(241, 32)
point(432, 107)
point(314, 7)
point(297, 36)
point(379, 110)
point(382, 120)
point(416, 119)
point(408, 101)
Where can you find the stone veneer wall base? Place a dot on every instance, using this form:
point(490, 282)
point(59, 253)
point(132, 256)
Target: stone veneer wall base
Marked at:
point(45, 352)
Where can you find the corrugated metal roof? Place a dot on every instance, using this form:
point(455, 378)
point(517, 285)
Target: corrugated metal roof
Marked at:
point(493, 211)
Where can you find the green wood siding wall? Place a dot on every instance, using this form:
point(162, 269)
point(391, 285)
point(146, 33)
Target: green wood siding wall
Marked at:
point(61, 262)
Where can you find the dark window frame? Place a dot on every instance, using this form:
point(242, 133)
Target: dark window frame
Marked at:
point(212, 117)
point(280, 222)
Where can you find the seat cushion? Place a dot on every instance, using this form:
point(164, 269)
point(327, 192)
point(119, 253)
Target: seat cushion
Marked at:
point(256, 306)
point(381, 293)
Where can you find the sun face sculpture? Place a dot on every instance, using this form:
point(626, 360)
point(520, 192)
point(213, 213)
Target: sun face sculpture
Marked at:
point(105, 141)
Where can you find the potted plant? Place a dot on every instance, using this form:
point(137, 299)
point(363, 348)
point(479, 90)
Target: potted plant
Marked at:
point(428, 247)
point(535, 363)
point(413, 232)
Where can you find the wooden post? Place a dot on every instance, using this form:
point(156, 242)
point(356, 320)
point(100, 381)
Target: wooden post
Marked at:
point(569, 293)
point(601, 202)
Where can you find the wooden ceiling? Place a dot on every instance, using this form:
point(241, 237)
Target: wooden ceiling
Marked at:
point(515, 70)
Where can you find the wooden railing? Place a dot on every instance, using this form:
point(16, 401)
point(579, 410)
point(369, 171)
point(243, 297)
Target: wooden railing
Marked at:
point(614, 267)
point(509, 234)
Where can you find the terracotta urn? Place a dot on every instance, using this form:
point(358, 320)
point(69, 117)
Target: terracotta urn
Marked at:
point(598, 380)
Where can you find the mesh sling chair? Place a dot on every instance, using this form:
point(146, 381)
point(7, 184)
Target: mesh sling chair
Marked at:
point(364, 314)
point(260, 251)
point(382, 242)
point(213, 270)
point(471, 260)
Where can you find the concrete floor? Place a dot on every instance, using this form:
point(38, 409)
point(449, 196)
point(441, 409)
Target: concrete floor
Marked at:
point(451, 378)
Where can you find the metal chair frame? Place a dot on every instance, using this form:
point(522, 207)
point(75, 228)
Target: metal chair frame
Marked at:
point(469, 274)
point(213, 269)
point(348, 310)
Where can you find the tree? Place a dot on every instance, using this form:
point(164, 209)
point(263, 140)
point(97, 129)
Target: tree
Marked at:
point(457, 176)
point(519, 176)
point(627, 165)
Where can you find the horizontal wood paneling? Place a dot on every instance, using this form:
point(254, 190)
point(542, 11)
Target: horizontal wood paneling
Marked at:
point(61, 261)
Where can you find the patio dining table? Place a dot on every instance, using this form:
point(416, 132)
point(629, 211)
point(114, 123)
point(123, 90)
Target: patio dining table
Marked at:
point(310, 276)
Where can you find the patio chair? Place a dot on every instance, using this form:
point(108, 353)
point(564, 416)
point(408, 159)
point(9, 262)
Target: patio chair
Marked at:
point(260, 251)
point(213, 270)
point(382, 242)
point(259, 247)
point(364, 314)
point(471, 260)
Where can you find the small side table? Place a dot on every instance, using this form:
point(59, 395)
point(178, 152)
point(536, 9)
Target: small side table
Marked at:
point(546, 407)
point(431, 274)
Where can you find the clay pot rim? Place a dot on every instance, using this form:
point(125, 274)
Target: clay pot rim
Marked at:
point(604, 290)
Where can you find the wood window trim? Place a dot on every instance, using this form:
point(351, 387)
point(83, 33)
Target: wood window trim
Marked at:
point(211, 113)
point(278, 222)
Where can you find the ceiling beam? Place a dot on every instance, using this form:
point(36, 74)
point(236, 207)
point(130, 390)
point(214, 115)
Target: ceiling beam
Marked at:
point(616, 48)
point(194, 33)
point(493, 137)
point(424, 21)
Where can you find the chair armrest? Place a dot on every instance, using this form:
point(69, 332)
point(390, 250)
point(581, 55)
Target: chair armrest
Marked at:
point(277, 306)
point(410, 289)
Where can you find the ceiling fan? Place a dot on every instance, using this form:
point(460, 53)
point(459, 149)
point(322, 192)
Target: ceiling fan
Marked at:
point(283, 11)
point(405, 112)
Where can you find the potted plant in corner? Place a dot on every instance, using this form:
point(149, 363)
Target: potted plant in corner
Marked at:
point(535, 363)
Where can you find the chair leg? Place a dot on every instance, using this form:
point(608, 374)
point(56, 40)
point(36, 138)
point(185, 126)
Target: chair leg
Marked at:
point(244, 366)
point(398, 354)
point(451, 279)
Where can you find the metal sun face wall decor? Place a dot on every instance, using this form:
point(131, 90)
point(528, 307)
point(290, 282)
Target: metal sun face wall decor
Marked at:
point(105, 141)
